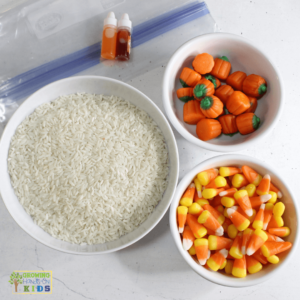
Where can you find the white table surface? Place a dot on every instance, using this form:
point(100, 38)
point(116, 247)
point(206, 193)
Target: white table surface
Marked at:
point(153, 268)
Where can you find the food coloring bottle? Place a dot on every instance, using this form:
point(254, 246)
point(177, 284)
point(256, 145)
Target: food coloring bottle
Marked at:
point(124, 38)
point(109, 37)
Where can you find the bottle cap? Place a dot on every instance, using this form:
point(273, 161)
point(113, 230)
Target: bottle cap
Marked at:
point(124, 21)
point(110, 19)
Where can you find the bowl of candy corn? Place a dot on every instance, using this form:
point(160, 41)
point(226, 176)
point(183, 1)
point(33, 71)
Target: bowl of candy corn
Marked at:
point(235, 220)
point(222, 93)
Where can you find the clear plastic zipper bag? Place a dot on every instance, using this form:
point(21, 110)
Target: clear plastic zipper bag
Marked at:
point(47, 40)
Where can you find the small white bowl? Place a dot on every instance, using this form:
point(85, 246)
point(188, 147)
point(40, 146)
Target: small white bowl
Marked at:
point(291, 219)
point(244, 56)
point(92, 85)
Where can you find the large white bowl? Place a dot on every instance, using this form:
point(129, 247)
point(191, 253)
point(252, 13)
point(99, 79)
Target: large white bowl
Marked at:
point(291, 219)
point(97, 85)
point(244, 56)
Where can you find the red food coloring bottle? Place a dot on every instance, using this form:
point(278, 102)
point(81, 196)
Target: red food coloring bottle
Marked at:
point(124, 38)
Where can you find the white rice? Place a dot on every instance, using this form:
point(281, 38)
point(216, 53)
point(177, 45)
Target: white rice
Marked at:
point(88, 168)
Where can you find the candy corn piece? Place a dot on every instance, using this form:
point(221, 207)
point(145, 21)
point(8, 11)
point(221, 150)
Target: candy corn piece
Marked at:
point(273, 238)
point(239, 267)
point(268, 215)
point(216, 214)
point(228, 201)
point(239, 221)
point(198, 187)
point(273, 259)
point(210, 193)
point(217, 259)
point(228, 193)
point(250, 188)
point(229, 171)
point(198, 230)
point(273, 198)
point(278, 209)
point(273, 188)
point(187, 238)
point(232, 231)
point(201, 202)
point(218, 182)
point(242, 199)
point(239, 180)
point(229, 266)
point(259, 200)
point(257, 239)
point(195, 209)
point(272, 248)
point(236, 248)
point(281, 232)
point(207, 219)
point(181, 217)
point(275, 222)
point(202, 252)
point(245, 240)
point(253, 265)
point(188, 196)
point(207, 176)
point(251, 175)
point(264, 186)
point(192, 250)
point(218, 242)
point(258, 222)
point(259, 256)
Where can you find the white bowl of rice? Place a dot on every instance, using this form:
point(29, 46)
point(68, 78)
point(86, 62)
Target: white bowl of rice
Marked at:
point(89, 165)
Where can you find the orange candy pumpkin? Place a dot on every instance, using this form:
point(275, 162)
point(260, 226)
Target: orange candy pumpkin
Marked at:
point(236, 80)
point(189, 77)
point(221, 68)
point(203, 88)
point(237, 103)
point(208, 129)
point(254, 86)
point(192, 113)
point(185, 94)
point(203, 63)
point(223, 92)
point(247, 123)
point(211, 107)
point(228, 123)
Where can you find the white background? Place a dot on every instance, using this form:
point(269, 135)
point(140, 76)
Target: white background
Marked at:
point(153, 268)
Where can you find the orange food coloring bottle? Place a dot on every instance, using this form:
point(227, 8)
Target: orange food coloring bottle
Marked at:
point(109, 37)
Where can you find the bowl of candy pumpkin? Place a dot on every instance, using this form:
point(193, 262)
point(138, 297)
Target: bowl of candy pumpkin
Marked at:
point(222, 93)
point(235, 220)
